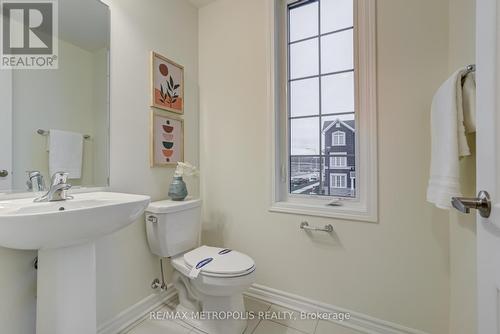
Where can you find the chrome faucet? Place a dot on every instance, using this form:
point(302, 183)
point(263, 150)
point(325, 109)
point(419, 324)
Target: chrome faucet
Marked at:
point(35, 181)
point(57, 191)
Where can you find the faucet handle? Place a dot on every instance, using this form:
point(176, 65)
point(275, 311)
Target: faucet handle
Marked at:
point(32, 173)
point(35, 181)
point(59, 178)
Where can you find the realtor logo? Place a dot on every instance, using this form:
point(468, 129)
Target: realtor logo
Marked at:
point(29, 34)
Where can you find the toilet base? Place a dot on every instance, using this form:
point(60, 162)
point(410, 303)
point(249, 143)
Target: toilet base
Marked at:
point(211, 326)
point(210, 314)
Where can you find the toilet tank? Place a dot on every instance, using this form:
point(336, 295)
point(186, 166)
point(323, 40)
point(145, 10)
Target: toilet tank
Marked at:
point(173, 227)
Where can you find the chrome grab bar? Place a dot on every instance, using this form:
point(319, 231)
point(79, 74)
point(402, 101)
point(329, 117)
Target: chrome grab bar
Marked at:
point(305, 226)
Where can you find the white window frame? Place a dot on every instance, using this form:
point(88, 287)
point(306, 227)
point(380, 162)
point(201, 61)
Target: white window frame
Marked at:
point(364, 206)
point(341, 137)
point(333, 180)
point(336, 158)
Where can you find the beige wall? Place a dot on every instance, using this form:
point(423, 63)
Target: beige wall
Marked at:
point(396, 270)
point(125, 266)
point(62, 99)
point(463, 227)
point(101, 116)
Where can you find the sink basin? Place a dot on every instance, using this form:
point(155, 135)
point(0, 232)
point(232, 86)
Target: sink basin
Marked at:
point(25, 224)
point(64, 234)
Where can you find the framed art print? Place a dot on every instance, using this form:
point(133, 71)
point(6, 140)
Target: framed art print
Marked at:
point(167, 84)
point(167, 140)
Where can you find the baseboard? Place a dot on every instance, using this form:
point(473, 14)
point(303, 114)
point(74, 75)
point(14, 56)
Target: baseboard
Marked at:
point(136, 312)
point(360, 322)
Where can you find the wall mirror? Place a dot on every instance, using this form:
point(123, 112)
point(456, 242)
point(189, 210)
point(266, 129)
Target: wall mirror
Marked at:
point(44, 112)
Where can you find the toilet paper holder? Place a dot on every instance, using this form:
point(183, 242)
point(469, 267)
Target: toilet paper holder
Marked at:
point(305, 226)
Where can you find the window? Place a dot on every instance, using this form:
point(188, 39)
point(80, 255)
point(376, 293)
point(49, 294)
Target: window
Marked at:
point(338, 162)
point(323, 90)
point(338, 181)
point(338, 138)
point(321, 87)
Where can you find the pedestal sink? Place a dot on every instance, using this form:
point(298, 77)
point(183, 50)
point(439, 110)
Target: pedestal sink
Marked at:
point(64, 235)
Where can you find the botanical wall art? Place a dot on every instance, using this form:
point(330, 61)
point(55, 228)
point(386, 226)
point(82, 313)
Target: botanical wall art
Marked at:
point(167, 84)
point(167, 140)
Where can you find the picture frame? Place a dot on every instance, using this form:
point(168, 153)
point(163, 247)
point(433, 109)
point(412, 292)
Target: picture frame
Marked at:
point(166, 139)
point(167, 84)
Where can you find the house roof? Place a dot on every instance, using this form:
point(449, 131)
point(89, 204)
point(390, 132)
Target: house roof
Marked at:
point(351, 125)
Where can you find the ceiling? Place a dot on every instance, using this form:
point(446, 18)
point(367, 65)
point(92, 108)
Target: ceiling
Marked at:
point(201, 3)
point(84, 23)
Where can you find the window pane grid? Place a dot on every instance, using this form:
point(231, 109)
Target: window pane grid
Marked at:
point(320, 35)
point(321, 75)
point(338, 161)
point(298, 4)
point(324, 115)
point(310, 173)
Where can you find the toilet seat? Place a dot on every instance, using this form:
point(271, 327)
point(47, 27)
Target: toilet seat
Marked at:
point(225, 263)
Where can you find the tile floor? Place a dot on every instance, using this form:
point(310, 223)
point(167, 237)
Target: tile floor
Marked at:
point(255, 326)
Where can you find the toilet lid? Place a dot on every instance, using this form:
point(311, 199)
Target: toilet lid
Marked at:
point(215, 260)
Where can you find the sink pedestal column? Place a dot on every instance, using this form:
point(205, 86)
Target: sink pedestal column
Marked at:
point(66, 290)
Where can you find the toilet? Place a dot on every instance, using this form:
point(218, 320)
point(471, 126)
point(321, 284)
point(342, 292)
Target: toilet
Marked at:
point(210, 280)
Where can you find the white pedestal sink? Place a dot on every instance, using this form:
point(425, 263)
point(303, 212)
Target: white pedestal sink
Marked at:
point(64, 235)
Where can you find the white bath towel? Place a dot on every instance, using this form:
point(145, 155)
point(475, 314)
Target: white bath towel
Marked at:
point(449, 142)
point(469, 102)
point(66, 153)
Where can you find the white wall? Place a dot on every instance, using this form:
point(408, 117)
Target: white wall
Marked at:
point(125, 266)
point(463, 227)
point(398, 269)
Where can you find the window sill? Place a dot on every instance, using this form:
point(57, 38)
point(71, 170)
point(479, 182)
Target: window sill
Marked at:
point(348, 211)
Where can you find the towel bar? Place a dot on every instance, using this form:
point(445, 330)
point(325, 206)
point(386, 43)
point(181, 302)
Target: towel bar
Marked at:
point(471, 68)
point(46, 133)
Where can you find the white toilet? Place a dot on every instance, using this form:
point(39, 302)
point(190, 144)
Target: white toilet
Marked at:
point(210, 280)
